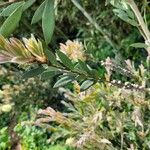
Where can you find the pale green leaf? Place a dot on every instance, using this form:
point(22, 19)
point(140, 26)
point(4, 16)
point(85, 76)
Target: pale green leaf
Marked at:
point(38, 13)
point(86, 84)
point(28, 4)
point(11, 8)
point(11, 22)
point(48, 20)
point(139, 45)
point(63, 81)
point(124, 16)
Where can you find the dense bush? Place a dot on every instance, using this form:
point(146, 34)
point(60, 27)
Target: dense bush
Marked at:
point(87, 63)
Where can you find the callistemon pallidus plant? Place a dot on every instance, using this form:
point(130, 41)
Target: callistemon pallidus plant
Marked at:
point(15, 51)
point(103, 111)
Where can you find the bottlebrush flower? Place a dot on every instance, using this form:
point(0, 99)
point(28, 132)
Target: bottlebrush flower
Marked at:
point(73, 49)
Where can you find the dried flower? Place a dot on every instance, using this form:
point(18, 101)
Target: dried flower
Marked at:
point(52, 116)
point(110, 66)
point(73, 49)
point(137, 117)
point(82, 141)
point(105, 141)
point(98, 116)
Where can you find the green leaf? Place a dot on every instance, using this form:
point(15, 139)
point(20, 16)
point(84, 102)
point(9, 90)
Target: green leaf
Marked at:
point(48, 20)
point(78, 68)
point(51, 57)
point(132, 22)
point(11, 22)
point(84, 66)
point(38, 13)
point(63, 81)
point(50, 68)
point(11, 8)
point(28, 4)
point(65, 60)
point(49, 74)
point(139, 45)
point(94, 73)
point(86, 84)
point(33, 72)
point(124, 16)
point(130, 14)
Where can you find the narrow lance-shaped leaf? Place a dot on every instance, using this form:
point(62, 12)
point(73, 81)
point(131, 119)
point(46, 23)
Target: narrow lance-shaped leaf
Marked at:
point(11, 8)
point(51, 57)
point(124, 16)
point(49, 73)
point(63, 81)
point(84, 67)
point(48, 20)
point(65, 60)
point(86, 84)
point(38, 13)
point(139, 45)
point(33, 72)
point(11, 22)
point(28, 4)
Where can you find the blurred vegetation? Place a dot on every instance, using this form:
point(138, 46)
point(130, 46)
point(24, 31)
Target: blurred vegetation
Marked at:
point(101, 118)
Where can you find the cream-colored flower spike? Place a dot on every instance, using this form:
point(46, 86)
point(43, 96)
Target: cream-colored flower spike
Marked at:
point(15, 51)
point(73, 49)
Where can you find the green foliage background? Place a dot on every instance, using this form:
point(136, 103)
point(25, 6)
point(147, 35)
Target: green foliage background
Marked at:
point(36, 93)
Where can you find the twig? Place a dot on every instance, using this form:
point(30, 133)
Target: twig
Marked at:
point(122, 140)
point(114, 82)
point(140, 19)
point(142, 25)
point(85, 13)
